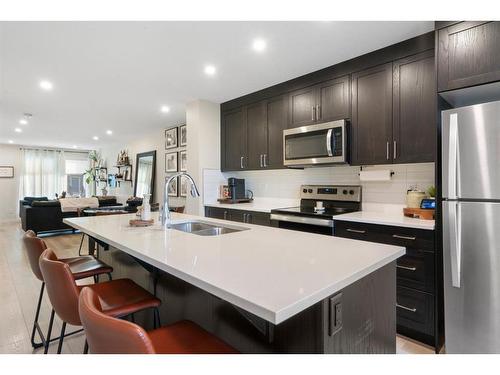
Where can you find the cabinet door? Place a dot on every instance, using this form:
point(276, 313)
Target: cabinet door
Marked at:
point(258, 218)
point(302, 107)
point(234, 140)
point(468, 55)
point(276, 123)
point(372, 115)
point(333, 99)
point(256, 135)
point(414, 109)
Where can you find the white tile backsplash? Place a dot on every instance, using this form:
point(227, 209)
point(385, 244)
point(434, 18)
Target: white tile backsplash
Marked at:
point(285, 183)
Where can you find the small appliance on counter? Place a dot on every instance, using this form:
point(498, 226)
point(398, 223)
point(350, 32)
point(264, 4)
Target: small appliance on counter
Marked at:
point(318, 206)
point(235, 192)
point(418, 205)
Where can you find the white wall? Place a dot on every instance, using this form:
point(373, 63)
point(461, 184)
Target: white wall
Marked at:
point(285, 183)
point(144, 143)
point(9, 187)
point(203, 145)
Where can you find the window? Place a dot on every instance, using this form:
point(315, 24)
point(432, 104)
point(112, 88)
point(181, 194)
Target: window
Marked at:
point(75, 166)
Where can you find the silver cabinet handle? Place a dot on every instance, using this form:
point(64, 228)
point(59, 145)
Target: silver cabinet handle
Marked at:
point(404, 237)
point(387, 150)
point(261, 165)
point(356, 231)
point(265, 161)
point(406, 308)
point(248, 219)
point(413, 269)
point(225, 215)
point(241, 163)
point(395, 150)
point(313, 113)
point(318, 112)
point(244, 218)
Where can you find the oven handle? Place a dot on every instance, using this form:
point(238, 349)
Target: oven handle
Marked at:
point(303, 220)
point(329, 142)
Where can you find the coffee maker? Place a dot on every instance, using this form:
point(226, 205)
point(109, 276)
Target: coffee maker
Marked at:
point(236, 188)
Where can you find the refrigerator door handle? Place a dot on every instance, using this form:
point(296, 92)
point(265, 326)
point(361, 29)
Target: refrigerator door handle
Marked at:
point(454, 220)
point(453, 162)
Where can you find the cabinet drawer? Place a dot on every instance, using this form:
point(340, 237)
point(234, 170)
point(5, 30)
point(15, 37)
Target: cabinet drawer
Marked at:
point(415, 310)
point(241, 216)
point(408, 237)
point(416, 270)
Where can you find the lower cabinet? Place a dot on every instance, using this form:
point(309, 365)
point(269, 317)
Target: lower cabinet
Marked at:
point(416, 276)
point(241, 216)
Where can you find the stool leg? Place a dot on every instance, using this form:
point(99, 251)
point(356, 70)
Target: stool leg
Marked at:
point(157, 322)
point(81, 244)
point(110, 277)
point(49, 332)
point(86, 348)
point(37, 314)
point(61, 338)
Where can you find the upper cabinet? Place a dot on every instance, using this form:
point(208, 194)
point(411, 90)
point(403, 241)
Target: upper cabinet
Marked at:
point(468, 55)
point(234, 140)
point(372, 116)
point(414, 109)
point(326, 101)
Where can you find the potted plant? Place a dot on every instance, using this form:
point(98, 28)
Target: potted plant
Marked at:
point(91, 175)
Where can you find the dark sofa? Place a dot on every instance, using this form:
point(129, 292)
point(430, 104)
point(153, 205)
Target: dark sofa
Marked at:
point(42, 215)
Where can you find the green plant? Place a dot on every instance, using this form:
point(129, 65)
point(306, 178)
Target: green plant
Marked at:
point(431, 190)
point(95, 164)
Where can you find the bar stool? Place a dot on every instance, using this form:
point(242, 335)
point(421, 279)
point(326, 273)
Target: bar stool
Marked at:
point(81, 267)
point(108, 335)
point(118, 298)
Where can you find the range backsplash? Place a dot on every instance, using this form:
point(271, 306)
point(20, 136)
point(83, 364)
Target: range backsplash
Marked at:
point(285, 183)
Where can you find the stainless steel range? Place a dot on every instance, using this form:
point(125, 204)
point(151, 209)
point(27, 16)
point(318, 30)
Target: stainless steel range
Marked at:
point(318, 206)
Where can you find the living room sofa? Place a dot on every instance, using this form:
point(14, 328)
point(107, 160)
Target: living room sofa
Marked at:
point(40, 214)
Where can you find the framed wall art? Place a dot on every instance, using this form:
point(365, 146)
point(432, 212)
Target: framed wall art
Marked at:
point(171, 162)
point(171, 138)
point(6, 172)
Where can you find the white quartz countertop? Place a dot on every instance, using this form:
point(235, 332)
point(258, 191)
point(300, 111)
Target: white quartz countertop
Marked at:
point(258, 204)
point(386, 218)
point(270, 272)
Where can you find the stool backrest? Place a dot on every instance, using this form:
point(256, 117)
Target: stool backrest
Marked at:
point(61, 288)
point(34, 248)
point(108, 335)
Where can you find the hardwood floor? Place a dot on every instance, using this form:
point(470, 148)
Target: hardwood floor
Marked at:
point(19, 291)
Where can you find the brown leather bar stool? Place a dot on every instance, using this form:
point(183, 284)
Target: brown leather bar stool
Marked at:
point(108, 335)
point(81, 267)
point(118, 298)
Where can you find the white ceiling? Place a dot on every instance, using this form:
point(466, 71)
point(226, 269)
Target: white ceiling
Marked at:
point(116, 75)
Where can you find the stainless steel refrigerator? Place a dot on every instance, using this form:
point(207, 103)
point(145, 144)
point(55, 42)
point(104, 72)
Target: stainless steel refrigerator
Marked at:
point(471, 228)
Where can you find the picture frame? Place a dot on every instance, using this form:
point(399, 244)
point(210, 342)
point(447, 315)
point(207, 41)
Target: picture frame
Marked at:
point(173, 188)
point(183, 187)
point(171, 164)
point(183, 135)
point(183, 161)
point(6, 171)
point(171, 140)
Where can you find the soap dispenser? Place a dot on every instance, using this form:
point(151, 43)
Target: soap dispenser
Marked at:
point(146, 208)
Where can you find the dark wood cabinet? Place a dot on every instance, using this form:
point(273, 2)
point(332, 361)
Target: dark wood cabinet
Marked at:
point(417, 277)
point(326, 101)
point(372, 116)
point(468, 55)
point(414, 109)
point(276, 123)
point(256, 135)
point(234, 139)
point(241, 216)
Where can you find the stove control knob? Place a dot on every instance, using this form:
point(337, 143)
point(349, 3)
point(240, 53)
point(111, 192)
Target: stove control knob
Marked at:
point(351, 192)
point(304, 190)
point(310, 191)
point(344, 191)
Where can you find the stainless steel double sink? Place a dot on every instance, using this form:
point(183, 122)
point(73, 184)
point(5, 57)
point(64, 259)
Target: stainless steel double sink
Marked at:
point(201, 228)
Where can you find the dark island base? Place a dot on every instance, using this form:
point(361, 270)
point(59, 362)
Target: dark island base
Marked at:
point(366, 323)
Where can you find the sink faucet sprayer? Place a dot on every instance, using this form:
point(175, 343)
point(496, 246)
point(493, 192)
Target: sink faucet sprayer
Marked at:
point(165, 213)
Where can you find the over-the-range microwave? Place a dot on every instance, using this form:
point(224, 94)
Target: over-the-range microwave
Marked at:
point(311, 145)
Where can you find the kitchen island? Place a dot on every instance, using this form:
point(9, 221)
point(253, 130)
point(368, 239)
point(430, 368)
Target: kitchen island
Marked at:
point(260, 289)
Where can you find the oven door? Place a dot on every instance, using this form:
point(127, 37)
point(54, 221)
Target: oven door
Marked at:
point(315, 144)
point(301, 223)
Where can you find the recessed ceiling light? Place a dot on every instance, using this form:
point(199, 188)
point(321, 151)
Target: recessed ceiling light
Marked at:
point(165, 109)
point(75, 146)
point(23, 121)
point(18, 130)
point(46, 85)
point(259, 45)
point(95, 138)
point(11, 141)
point(109, 132)
point(210, 70)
